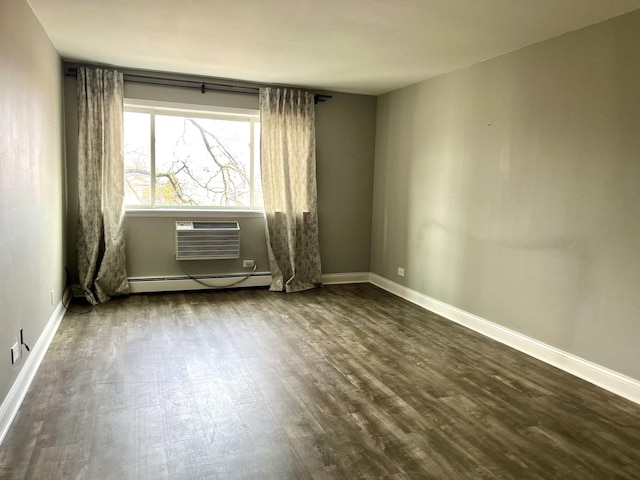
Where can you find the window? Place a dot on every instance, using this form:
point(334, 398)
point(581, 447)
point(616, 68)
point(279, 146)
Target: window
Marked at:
point(179, 158)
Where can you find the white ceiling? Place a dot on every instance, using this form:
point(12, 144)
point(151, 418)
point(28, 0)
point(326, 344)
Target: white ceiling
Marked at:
point(357, 46)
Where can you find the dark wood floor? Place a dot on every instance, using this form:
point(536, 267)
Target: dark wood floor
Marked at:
point(341, 382)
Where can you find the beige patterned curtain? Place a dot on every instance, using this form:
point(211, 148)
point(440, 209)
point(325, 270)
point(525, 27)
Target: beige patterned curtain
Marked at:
point(288, 167)
point(101, 238)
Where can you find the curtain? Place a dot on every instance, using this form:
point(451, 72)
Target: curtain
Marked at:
point(101, 238)
point(288, 168)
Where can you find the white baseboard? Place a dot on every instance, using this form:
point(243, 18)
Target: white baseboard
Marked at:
point(339, 278)
point(610, 380)
point(13, 400)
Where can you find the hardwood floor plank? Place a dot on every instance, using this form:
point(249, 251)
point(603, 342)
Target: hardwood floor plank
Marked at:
point(346, 381)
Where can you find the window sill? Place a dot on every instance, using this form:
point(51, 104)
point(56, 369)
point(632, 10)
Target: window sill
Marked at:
point(192, 213)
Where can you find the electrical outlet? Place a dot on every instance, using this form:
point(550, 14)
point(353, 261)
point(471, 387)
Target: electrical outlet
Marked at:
point(248, 263)
point(51, 297)
point(15, 353)
point(401, 271)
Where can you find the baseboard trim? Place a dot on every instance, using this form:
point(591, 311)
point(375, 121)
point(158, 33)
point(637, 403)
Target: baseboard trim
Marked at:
point(11, 404)
point(603, 377)
point(341, 278)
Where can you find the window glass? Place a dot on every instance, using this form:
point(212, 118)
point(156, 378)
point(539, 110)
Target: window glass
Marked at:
point(257, 179)
point(137, 158)
point(175, 159)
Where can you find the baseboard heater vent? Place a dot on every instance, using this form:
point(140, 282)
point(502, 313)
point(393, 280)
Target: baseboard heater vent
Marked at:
point(207, 240)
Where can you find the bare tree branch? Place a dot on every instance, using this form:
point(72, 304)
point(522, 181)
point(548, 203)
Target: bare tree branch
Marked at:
point(191, 180)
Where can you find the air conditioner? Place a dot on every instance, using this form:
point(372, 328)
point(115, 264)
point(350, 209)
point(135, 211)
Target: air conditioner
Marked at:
point(207, 240)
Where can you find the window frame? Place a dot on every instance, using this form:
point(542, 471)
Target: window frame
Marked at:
point(153, 108)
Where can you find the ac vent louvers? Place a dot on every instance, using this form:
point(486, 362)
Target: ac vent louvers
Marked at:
point(206, 240)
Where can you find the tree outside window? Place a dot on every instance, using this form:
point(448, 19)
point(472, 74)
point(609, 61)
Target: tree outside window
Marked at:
point(180, 160)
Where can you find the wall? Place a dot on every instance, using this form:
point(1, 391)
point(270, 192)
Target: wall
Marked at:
point(345, 137)
point(32, 182)
point(510, 189)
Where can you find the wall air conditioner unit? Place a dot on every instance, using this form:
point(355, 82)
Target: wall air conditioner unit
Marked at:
point(207, 240)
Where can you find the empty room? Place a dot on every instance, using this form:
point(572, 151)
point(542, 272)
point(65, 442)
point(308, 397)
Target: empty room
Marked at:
point(382, 239)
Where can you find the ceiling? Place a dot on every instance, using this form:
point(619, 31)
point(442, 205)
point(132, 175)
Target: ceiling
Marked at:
point(355, 46)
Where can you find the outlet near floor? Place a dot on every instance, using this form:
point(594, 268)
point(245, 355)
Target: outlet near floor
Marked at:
point(248, 263)
point(401, 271)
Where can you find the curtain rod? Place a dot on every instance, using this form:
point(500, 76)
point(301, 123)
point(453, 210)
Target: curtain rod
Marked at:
point(202, 86)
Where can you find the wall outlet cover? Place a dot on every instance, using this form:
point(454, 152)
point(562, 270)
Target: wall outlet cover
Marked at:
point(401, 271)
